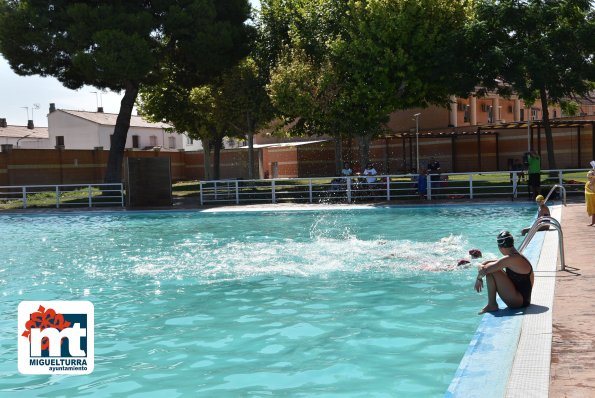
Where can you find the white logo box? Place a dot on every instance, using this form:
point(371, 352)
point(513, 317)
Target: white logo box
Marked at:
point(80, 361)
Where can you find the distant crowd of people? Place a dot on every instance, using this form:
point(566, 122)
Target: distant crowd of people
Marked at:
point(368, 180)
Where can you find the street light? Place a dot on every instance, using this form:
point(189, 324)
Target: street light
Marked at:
point(416, 116)
point(529, 129)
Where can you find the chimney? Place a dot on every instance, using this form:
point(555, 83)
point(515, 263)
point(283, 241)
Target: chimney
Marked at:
point(52, 107)
point(3, 122)
point(100, 109)
point(30, 125)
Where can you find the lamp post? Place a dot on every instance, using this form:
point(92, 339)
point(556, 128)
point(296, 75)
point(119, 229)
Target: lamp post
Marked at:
point(416, 116)
point(529, 129)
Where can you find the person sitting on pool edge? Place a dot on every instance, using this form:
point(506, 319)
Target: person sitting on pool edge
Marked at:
point(542, 212)
point(511, 276)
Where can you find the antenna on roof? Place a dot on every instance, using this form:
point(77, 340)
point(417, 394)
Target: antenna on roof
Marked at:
point(27, 109)
point(36, 107)
point(98, 99)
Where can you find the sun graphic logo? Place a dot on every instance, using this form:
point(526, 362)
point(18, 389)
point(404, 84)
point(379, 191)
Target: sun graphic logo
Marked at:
point(56, 337)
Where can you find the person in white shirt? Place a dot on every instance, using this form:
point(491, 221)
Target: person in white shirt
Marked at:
point(369, 172)
point(347, 171)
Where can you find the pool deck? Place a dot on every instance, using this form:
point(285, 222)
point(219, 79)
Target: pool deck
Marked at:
point(572, 372)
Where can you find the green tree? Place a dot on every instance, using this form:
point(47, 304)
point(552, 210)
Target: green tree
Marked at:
point(304, 93)
point(541, 49)
point(245, 103)
point(294, 38)
point(121, 46)
point(193, 111)
point(380, 56)
point(569, 107)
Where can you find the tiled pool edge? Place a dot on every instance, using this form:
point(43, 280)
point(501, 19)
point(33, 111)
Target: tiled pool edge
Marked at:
point(486, 366)
point(530, 375)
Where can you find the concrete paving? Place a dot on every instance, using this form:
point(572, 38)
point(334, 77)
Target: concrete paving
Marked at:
point(572, 372)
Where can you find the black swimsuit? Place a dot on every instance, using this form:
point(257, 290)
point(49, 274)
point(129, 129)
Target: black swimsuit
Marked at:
point(522, 283)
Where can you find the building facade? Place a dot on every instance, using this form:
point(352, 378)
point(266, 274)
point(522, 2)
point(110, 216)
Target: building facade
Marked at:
point(70, 129)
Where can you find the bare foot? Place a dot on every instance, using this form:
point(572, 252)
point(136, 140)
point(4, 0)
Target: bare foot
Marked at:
point(488, 308)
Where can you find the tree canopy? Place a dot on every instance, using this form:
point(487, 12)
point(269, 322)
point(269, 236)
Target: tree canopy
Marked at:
point(122, 45)
point(245, 102)
point(540, 49)
point(191, 110)
point(372, 57)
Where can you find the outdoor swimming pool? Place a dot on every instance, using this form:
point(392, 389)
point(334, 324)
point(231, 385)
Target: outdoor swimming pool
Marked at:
point(333, 303)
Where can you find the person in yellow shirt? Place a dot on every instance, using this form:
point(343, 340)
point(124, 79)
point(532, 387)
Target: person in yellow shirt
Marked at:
point(590, 196)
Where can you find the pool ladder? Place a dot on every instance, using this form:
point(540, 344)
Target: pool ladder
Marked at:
point(551, 222)
point(562, 189)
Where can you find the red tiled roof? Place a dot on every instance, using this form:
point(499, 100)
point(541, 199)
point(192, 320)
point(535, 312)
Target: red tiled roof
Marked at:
point(23, 131)
point(109, 119)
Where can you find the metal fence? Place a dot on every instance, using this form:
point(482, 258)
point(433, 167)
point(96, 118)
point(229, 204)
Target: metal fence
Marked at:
point(66, 195)
point(384, 187)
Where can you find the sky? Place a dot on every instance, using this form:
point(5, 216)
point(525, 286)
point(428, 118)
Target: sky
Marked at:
point(20, 95)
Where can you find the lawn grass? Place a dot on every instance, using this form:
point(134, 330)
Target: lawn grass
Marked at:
point(47, 199)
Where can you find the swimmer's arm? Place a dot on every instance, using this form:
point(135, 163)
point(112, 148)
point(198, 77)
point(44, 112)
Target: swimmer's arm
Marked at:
point(488, 267)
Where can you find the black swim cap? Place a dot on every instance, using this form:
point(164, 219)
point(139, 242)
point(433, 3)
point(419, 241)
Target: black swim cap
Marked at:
point(505, 239)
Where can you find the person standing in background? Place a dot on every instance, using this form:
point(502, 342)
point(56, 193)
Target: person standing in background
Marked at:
point(434, 170)
point(590, 196)
point(534, 171)
point(422, 184)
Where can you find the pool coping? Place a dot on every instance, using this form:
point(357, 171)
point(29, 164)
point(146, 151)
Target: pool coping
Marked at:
point(509, 355)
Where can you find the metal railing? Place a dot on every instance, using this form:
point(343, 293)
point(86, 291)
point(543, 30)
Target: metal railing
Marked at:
point(355, 189)
point(64, 195)
point(550, 222)
point(562, 189)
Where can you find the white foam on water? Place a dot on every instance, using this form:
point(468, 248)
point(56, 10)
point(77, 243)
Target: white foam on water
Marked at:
point(320, 257)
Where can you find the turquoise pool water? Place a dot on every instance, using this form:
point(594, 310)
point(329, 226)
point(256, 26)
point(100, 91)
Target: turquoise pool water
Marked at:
point(348, 303)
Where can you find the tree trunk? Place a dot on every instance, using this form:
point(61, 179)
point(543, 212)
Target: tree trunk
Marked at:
point(364, 149)
point(338, 153)
point(217, 144)
point(118, 139)
point(549, 139)
point(250, 155)
point(206, 150)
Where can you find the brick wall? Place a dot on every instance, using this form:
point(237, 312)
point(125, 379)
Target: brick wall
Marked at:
point(392, 155)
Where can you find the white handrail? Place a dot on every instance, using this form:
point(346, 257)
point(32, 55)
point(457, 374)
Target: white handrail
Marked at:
point(116, 196)
point(549, 221)
point(562, 189)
